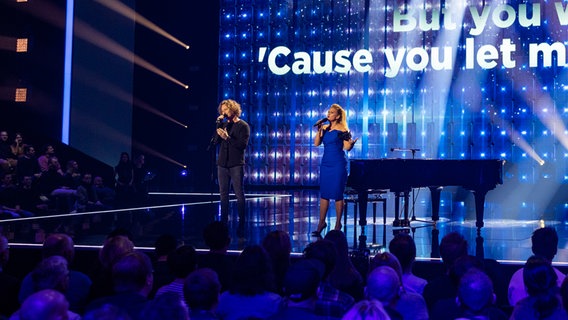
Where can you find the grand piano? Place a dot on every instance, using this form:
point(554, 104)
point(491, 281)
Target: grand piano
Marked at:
point(402, 175)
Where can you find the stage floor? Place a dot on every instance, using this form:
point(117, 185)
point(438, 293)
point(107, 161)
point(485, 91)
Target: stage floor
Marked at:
point(505, 238)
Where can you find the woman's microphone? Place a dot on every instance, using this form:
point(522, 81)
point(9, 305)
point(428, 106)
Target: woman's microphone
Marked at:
point(320, 122)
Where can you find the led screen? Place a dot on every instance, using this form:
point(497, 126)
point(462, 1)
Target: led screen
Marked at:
point(423, 79)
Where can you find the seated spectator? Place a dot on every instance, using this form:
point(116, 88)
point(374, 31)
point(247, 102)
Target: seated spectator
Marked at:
point(132, 282)
point(17, 146)
point(47, 152)
point(277, 245)
point(105, 194)
point(331, 302)
point(383, 285)
point(8, 161)
point(9, 284)
point(181, 263)
point(367, 309)
point(403, 247)
point(52, 187)
point(28, 196)
point(409, 304)
point(544, 244)
point(344, 275)
point(87, 199)
point(72, 175)
point(79, 284)
point(9, 201)
point(252, 292)
point(166, 306)
point(543, 300)
point(163, 247)
point(300, 288)
point(113, 249)
point(27, 164)
point(476, 297)
point(216, 236)
point(45, 305)
point(452, 246)
point(201, 291)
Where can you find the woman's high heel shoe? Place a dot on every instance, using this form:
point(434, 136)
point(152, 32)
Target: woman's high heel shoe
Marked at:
point(317, 233)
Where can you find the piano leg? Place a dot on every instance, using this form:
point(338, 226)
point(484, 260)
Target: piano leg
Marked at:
point(435, 195)
point(479, 212)
point(396, 222)
point(404, 222)
point(363, 196)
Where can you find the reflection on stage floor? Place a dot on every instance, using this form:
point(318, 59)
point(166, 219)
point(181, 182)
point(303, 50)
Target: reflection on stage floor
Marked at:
point(505, 238)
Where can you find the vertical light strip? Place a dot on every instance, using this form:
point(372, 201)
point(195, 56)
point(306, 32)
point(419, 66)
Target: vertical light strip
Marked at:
point(67, 72)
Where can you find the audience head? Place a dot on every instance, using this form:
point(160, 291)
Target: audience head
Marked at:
point(324, 251)
point(387, 259)
point(277, 244)
point(403, 247)
point(539, 276)
point(168, 305)
point(462, 265)
point(98, 182)
point(252, 272)
point(114, 248)
point(367, 310)
point(216, 236)
point(182, 261)
point(133, 273)
point(475, 290)
point(44, 305)
point(201, 289)
point(59, 244)
point(51, 273)
point(302, 279)
point(545, 242)
point(29, 150)
point(165, 244)
point(452, 246)
point(383, 284)
point(48, 150)
point(107, 312)
point(541, 283)
point(120, 231)
point(340, 241)
point(124, 158)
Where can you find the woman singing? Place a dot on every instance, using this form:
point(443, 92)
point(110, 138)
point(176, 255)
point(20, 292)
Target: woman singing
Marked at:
point(333, 170)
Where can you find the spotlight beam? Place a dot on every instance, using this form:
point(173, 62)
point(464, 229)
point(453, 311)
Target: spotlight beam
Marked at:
point(113, 90)
point(147, 150)
point(127, 12)
point(55, 16)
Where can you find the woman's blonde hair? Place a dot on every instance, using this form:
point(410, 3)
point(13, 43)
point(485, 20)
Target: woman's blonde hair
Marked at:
point(342, 114)
point(234, 106)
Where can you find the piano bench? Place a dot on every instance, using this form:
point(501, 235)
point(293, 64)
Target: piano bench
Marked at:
point(375, 196)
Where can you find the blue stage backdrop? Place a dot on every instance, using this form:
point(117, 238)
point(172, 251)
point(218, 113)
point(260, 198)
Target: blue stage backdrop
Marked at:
point(451, 79)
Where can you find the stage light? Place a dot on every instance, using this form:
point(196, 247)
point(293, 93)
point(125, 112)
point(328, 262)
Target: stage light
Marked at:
point(21, 95)
point(22, 45)
point(183, 173)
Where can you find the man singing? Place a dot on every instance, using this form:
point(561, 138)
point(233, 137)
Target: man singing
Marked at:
point(233, 139)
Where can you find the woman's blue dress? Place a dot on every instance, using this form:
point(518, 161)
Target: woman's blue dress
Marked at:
point(333, 169)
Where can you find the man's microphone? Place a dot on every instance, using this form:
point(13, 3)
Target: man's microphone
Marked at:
point(219, 123)
point(221, 117)
point(320, 122)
